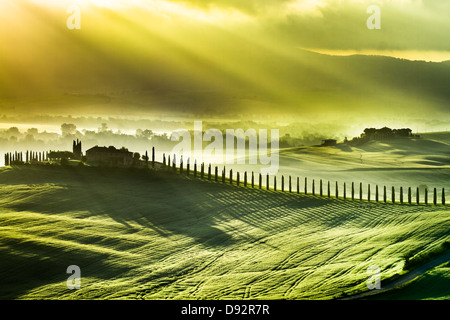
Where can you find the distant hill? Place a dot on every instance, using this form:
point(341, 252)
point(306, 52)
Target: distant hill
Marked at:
point(244, 78)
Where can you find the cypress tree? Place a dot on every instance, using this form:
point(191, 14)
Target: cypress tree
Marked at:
point(393, 195)
point(353, 191)
point(345, 191)
point(195, 168)
point(223, 175)
point(328, 189)
point(209, 171)
point(401, 195)
point(153, 157)
point(409, 195)
point(360, 191)
point(337, 190)
point(306, 185)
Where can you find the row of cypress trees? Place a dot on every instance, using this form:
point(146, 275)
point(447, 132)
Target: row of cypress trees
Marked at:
point(378, 196)
point(19, 157)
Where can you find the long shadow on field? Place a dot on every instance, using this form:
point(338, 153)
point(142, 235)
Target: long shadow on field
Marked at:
point(131, 197)
point(170, 205)
point(164, 203)
point(38, 265)
point(139, 200)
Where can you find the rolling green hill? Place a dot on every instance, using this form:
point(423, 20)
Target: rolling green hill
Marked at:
point(152, 235)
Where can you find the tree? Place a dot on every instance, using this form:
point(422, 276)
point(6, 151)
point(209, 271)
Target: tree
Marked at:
point(369, 132)
point(385, 132)
point(104, 128)
point(136, 157)
point(405, 132)
point(147, 134)
point(32, 131)
point(145, 157)
point(13, 131)
point(68, 129)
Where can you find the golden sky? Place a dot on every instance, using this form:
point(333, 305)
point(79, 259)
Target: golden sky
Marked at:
point(219, 56)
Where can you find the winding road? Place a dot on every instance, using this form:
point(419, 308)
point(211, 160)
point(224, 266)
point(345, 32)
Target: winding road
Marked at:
point(404, 279)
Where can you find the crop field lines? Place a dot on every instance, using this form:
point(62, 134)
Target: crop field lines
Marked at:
point(176, 237)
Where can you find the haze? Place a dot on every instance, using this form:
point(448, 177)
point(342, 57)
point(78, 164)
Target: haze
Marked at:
point(228, 60)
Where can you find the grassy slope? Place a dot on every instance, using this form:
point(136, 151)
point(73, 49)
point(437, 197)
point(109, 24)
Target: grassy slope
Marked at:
point(399, 163)
point(164, 237)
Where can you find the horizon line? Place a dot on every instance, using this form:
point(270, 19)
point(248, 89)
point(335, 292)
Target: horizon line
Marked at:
point(411, 55)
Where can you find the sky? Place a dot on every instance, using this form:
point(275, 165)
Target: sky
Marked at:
point(225, 58)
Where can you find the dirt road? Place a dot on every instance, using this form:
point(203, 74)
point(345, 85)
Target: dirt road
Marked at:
point(404, 279)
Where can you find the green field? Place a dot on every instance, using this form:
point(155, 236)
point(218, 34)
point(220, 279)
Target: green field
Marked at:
point(151, 235)
point(434, 285)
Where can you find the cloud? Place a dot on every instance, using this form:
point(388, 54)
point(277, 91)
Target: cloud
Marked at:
point(171, 58)
point(249, 6)
point(341, 24)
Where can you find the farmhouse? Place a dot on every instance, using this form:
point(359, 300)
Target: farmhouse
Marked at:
point(387, 133)
point(110, 156)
